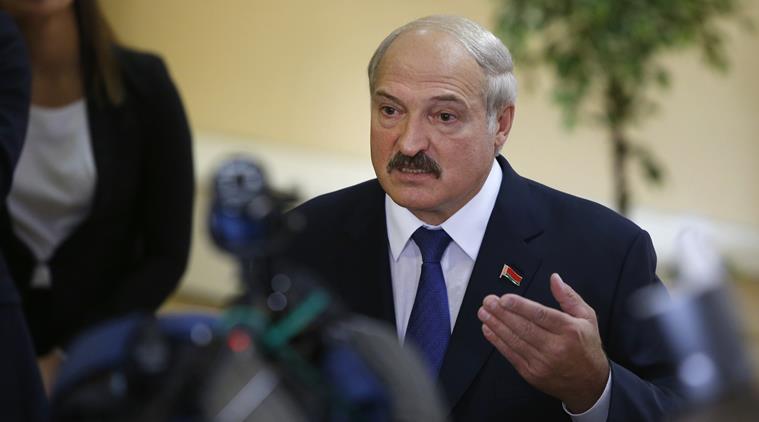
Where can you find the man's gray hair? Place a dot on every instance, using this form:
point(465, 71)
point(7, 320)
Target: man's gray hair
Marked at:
point(489, 52)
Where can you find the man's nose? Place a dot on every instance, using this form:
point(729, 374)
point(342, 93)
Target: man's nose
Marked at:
point(413, 138)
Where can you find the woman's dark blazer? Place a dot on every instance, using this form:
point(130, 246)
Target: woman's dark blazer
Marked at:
point(131, 251)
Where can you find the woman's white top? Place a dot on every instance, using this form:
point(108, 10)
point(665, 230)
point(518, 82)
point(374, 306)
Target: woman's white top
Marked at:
point(54, 182)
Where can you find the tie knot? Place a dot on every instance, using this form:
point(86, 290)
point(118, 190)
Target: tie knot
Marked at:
point(431, 243)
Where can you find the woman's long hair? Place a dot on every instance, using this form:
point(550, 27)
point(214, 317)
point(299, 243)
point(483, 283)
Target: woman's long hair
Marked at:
point(102, 74)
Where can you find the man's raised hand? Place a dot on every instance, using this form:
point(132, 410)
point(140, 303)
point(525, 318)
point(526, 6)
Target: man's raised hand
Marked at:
point(559, 353)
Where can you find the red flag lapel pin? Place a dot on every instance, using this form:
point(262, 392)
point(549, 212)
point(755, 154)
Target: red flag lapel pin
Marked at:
point(511, 274)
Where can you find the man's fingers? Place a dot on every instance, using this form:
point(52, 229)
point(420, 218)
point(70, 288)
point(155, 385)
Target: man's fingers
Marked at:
point(506, 333)
point(511, 355)
point(569, 300)
point(516, 325)
point(547, 318)
point(521, 336)
point(529, 362)
point(557, 351)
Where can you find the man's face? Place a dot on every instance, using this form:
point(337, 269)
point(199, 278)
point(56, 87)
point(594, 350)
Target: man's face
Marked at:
point(429, 103)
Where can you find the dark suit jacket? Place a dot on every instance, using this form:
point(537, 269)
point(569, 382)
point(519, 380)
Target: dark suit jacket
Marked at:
point(132, 249)
point(538, 231)
point(22, 397)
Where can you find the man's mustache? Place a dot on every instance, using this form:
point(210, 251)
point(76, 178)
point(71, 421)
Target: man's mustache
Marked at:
point(420, 161)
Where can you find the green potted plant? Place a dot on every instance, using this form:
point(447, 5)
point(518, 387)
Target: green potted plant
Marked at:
point(607, 53)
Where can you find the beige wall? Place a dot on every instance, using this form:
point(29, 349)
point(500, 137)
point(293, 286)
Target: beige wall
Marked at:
point(290, 71)
point(293, 72)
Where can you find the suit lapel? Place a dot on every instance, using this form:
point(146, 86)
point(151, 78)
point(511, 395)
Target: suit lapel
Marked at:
point(103, 134)
point(510, 228)
point(366, 274)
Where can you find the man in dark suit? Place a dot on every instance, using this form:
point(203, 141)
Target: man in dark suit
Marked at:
point(463, 255)
point(21, 393)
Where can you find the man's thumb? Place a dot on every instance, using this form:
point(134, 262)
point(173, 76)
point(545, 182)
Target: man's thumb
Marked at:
point(568, 299)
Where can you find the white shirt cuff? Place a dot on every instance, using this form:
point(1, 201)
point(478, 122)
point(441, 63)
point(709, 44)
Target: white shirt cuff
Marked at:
point(599, 411)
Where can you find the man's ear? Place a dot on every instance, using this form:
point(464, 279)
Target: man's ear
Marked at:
point(505, 119)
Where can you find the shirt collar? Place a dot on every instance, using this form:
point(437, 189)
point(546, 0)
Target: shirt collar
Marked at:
point(466, 227)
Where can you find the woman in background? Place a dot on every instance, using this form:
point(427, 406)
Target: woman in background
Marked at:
point(98, 220)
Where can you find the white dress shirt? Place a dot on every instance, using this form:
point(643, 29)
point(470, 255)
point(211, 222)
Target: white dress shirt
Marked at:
point(466, 228)
point(54, 182)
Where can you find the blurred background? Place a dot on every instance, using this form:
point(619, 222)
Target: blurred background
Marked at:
point(285, 81)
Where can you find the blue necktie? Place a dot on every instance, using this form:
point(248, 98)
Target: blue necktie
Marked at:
point(429, 325)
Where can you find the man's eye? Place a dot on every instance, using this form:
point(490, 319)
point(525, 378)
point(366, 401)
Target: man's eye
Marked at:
point(388, 111)
point(447, 117)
